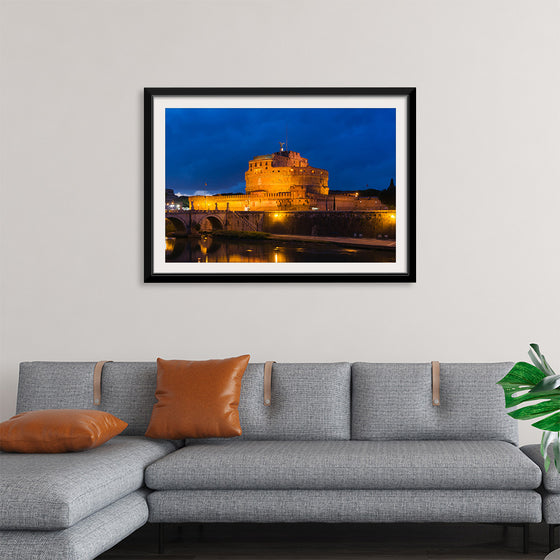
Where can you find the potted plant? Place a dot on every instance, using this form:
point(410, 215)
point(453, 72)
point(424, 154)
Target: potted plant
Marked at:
point(526, 383)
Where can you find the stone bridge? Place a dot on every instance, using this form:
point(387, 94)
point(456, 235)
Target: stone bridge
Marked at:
point(378, 223)
point(185, 221)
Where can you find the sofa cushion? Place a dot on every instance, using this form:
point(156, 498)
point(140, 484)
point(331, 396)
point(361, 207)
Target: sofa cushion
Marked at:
point(551, 508)
point(54, 491)
point(58, 430)
point(394, 401)
point(127, 389)
point(45, 385)
point(550, 478)
point(197, 399)
point(344, 465)
point(85, 540)
point(309, 402)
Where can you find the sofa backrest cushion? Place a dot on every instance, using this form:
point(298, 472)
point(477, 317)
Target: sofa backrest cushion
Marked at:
point(309, 401)
point(44, 385)
point(394, 402)
point(127, 389)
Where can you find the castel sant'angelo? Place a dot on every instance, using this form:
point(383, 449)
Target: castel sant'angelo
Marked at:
point(285, 181)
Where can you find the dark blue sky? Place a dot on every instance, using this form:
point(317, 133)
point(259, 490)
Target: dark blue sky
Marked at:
point(214, 146)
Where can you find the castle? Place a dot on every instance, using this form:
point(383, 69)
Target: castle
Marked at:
point(285, 181)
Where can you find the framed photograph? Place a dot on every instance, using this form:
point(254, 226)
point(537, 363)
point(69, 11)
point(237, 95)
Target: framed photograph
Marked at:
point(280, 184)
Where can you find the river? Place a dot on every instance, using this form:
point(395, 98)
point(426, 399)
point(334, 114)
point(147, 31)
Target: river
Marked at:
point(209, 249)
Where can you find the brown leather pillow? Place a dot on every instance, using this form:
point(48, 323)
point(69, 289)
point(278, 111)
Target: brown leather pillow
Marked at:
point(197, 399)
point(58, 431)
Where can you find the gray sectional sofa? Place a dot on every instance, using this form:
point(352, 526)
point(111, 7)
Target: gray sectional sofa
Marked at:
point(340, 442)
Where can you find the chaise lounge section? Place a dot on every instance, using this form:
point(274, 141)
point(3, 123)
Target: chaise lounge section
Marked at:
point(74, 506)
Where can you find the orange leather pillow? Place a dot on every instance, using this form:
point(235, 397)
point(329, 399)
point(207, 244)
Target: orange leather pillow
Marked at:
point(197, 399)
point(58, 431)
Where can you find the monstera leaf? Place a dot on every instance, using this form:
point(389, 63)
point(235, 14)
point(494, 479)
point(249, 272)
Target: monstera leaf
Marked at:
point(526, 383)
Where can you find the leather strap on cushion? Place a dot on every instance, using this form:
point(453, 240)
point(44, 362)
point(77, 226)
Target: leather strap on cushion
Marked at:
point(435, 383)
point(268, 383)
point(97, 381)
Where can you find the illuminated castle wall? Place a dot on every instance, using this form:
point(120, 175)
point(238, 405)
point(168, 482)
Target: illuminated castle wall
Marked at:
point(285, 171)
point(284, 181)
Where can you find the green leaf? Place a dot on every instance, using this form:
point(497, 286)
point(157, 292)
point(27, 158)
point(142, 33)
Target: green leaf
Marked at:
point(535, 348)
point(551, 371)
point(536, 410)
point(550, 444)
point(514, 397)
point(522, 375)
point(550, 423)
point(556, 451)
point(540, 362)
point(547, 437)
point(547, 384)
point(536, 361)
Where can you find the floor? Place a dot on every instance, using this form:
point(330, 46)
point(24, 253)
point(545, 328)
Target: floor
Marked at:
point(333, 542)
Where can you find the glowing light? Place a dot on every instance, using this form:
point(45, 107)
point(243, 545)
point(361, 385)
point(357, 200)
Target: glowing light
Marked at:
point(392, 216)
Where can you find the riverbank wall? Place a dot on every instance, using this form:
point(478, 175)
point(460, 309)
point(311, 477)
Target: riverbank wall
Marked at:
point(344, 224)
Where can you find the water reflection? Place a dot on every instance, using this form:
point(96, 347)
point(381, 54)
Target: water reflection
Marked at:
point(210, 249)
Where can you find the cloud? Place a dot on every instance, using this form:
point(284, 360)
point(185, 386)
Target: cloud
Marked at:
point(196, 193)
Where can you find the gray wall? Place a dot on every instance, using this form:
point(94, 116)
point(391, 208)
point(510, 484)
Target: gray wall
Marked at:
point(72, 75)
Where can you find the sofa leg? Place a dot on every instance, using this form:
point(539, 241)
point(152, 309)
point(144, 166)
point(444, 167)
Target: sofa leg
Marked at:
point(525, 538)
point(551, 544)
point(161, 538)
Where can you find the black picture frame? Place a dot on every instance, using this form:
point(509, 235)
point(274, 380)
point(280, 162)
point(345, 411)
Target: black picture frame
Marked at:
point(405, 98)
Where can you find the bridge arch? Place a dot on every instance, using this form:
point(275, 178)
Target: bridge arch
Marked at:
point(211, 223)
point(174, 226)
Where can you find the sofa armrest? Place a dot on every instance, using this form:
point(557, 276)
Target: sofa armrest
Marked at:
point(551, 479)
